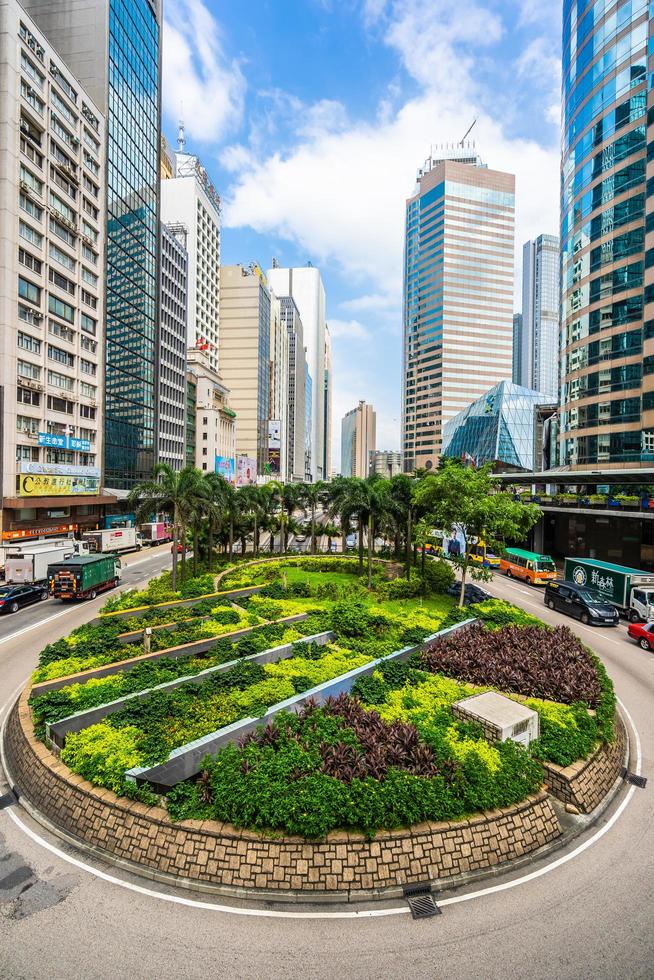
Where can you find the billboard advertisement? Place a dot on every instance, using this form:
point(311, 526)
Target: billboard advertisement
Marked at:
point(59, 469)
point(246, 471)
point(30, 485)
point(225, 468)
point(274, 461)
point(274, 434)
point(64, 442)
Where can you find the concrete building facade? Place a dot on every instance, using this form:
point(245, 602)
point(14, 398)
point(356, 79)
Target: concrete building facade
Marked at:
point(213, 428)
point(327, 406)
point(52, 220)
point(539, 342)
point(386, 463)
point(358, 440)
point(171, 362)
point(297, 385)
point(458, 295)
point(306, 287)
point(279, 394)
point(190, 198)
point(113, 48)
point(245, 305)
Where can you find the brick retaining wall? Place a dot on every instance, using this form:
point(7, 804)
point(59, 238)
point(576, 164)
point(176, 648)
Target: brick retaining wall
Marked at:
point(220, 855)
point(584, 784)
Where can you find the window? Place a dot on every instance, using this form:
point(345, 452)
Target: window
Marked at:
point(91, 163)
point(28, 315)
point(88, 434)
point(87, 344)
point(31, 152)
point(88, 324)
point(87, 412)
point(27, 370)
point(30, 234)
point(30, 207)
point(62, 132)
point(88, 367)
point(28, 454)
point(91, 142)
point(89, 231)
point(29, 291)
point(59, 456)
point(29, 261)
point(62, 157)
point(89, 208)
point(61, 281)
point(89, 300)
point(31, 70)
point(31, 97)
point(59, 429)
point(63, 233)
point(59, 330)
point(90, 186)
point(89, 391)
point(59, 308)
point(61, 356)
point(25, 342)
point(28, 178)
point(25, 396)
point(60, 405)
point(68, 213)
point(63, 81)
point(64, 258)
point(67, 113)
point(27, 425)
point(90, 277)
point(65, 184)
point(60, 381)
point(89, 254)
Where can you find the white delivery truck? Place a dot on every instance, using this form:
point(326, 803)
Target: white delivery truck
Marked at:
point(30, 567)
point(113, 540)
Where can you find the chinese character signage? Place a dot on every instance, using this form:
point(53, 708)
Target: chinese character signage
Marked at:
point(43, 485)
point(59, 469)
point(64, 442)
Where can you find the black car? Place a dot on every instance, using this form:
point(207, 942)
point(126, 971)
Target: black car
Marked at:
point(14, 597)
point(580, 602)
point(472, 593)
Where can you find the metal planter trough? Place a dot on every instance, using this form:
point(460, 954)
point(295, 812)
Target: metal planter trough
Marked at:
point(185, 762)
point(114, 617)
point(172, 653)
point(58, 730)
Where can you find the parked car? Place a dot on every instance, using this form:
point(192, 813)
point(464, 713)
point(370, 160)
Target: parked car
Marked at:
point(471, 595)
point(14, 597)
point(643, 633)
point(580, 602)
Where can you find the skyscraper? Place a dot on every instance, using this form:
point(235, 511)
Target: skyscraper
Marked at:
point(113, 47)
point(305, 286)
point(358, 440)
point(327, 408)
point(517, 349)
point(607, 342)
point(171, 361)
point(539, 345)
point(189, 197)
point(458, 295)
point(52, 220)
point(297, 385)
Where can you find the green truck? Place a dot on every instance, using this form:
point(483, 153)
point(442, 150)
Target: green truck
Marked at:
point(630, 589)
point(82, 577)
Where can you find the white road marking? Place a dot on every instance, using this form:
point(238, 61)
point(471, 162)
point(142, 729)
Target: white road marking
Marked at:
point(41, 622)
point(363, 914)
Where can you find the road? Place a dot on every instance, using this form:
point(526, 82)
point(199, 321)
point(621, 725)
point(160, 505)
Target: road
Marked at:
point(590, 917)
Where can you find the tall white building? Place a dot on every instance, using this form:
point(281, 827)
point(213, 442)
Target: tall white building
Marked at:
point(539, 346)
point(279, 394)
point(327, 392)
point(52, 221)
point(171, 353)
point(358, 440)
point(189, 198)
point(214, 422)
point(305, 286)
point(297, 391)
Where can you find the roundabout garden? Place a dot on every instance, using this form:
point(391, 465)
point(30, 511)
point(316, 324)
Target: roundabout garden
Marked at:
point(297, 731)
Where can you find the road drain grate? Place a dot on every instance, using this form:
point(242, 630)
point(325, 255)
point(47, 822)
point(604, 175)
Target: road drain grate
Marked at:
point(8, 800)
point(639, 781)
point(421, 901)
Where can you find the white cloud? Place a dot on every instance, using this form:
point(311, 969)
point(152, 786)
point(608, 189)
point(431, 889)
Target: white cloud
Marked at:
point(200, 84)
point(379, 302)
point(348, 330)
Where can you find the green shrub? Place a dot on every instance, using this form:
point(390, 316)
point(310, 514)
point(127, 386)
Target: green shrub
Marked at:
point(349, 618)
point(438, 576)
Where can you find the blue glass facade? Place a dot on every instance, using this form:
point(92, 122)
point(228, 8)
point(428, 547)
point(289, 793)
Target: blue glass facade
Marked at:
point(500, 427)
point(132, 242)
point(605, 200)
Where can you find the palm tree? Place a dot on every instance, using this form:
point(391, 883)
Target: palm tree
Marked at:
point(288, 497)
point(402, 507)
point(313, 494)
point(214, 506)
point(252, 504)
point(232, 512)
point(172, 493)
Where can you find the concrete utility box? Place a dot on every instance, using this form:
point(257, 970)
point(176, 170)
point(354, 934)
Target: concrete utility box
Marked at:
point(500, 717)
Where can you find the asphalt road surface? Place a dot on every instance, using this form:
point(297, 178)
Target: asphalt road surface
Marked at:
point(589, 917)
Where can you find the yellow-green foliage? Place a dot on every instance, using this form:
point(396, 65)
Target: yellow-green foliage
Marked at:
point(418, 703)
point(334, 662)
point(102, 754)
point(462, 748)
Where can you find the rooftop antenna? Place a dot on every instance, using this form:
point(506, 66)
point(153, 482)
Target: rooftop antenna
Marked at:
point(470, 129)
point(181, 135)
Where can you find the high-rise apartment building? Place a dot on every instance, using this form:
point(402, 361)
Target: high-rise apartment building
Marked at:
point(327, 407)
point(539, 346)
point(245, 357)
point(297, 384)
point(607, 236)
point(211, 422)
point(190, 198)
point(113, 48)
point(358, 435)
point(171, 361)
point(306, 288)
point(52, 220)
point(517, 349)
point(458, 295)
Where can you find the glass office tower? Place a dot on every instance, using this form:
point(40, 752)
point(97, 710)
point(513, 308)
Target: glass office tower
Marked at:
point(113, 46)
point(607, 298)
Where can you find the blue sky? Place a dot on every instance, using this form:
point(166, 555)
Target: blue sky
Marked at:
point(312, 117)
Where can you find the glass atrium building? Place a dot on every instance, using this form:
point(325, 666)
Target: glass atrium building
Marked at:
point(500, 428)
point(607, 224)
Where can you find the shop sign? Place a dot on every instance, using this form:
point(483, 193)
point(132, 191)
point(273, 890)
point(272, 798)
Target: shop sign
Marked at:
point(64, 442)
point(59, 469)
point(43, 485)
